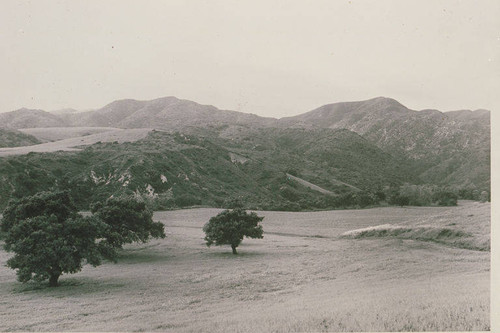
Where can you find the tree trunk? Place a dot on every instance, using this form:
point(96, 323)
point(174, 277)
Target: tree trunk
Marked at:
point(54, 276)
point(234, 249)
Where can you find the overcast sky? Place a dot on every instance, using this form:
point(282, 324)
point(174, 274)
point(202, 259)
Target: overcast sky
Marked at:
point(272, 58)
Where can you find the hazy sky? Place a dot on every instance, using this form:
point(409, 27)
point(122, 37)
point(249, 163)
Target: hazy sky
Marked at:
point(272, 58)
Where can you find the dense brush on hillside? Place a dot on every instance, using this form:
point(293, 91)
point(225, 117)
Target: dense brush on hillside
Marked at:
point(353, 149)
point(171, 170)
point(448, 148)
point(324, 155)
point(13, 138)
point(178, 170)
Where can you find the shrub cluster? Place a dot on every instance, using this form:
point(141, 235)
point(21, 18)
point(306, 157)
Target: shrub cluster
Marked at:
point(421, 195)
point(345, 200)
point(49, 237)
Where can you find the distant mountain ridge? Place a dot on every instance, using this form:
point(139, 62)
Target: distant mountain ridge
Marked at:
point(442, 147)
point(448, 147)
point(26, 118)
point(169, 112)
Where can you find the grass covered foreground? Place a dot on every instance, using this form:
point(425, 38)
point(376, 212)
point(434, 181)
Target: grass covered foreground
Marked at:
point(305, 275)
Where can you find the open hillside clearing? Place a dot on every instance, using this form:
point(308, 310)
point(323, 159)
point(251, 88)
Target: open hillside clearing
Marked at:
point(70, 144)
point(303, 276)
point(308, 184)
point(48, 134)
point(319, 189)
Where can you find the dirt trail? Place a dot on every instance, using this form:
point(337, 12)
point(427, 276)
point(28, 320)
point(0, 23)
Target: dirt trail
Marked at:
point(316, 187)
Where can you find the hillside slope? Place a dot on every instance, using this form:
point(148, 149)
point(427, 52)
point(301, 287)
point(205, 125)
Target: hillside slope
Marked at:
point(176, 170)
point(73, 144)
point(47, 134)
point(392, 126)
point(25, 118)
point(446, 147)
point(13, 138)
point(323, 156)
point(168, 113)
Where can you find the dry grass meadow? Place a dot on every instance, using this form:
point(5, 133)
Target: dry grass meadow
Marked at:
point(68, 139)
point(307, 274)
point(48, 134)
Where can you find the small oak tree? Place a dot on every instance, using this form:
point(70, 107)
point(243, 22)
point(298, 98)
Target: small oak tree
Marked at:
point(445, 198)
point(128, 220)
point(230, 226)
point(50, 238)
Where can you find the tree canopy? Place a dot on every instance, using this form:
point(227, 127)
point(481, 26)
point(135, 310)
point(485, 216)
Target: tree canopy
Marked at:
point(128, 220)
point(50, 238)
point(231, 226)
point(58, 204)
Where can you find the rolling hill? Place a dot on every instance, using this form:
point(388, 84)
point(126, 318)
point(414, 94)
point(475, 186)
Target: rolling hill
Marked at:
point(13, 138)
point(74, 143)
point(176, 170)
point(445, 147)
point(323, 156)
point(168, 113)
point(48, 134)
point(25, 118)
point(392, 126)
point(366, 144)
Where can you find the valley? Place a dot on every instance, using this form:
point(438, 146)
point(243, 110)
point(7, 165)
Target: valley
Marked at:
point(249, 166)
point(210, 156)
point(378, 267)
point(443, 148)
point(69, 139)
point(303, 276)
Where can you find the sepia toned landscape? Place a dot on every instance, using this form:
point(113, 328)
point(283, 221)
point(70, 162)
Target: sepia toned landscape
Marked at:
point(369, 223)
point(305, 275)
point(250, 166)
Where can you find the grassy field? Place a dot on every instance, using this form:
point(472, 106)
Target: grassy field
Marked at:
point(70, 144)
point(305, 275)
point(47, 134)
